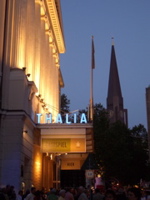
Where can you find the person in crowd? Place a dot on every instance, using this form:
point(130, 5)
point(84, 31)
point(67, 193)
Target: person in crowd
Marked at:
point(110, 195)
point(73, 191)
point(97, 195)
point(143, 195)
point(38, 195)
point(76, 193)
point(25, 195)
point(147, 193)
point(69, 195)
point(20, 195)
point(49, 192)
point(62, 195)
point(134, 194)
point(82, 193)
point(52, 195)
point(2, 196)
point(11, 192)
point(43, 195)
point(4, 191)
point(121, 195)
point(90, 192)
point(31, 195)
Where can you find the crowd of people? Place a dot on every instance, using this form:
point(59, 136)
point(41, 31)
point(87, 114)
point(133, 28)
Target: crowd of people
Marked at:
point(80, 193)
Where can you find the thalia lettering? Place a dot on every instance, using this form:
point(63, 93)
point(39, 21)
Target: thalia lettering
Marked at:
point(59, 119)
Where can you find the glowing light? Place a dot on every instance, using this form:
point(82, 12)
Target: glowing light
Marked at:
point(21, 54)
point(37, 167)
point(38, 164)
point(51, 156)
point(136, 186)
point(47, 154)
point(58, 119)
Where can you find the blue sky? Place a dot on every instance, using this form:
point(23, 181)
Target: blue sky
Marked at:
point(128, 21)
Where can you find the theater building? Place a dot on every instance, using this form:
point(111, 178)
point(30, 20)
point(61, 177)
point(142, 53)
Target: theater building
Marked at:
point(34, 147)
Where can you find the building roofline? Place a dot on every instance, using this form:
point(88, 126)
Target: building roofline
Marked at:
point(54, 9)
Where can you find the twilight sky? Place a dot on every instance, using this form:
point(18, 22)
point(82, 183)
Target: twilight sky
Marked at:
point(128, 21)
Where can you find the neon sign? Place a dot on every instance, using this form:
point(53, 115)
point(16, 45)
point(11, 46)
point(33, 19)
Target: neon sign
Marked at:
point(60, 120)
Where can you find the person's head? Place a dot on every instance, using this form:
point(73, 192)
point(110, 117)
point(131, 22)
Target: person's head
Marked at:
point(4, 190)
point(53, 191)
point(110, 195)
point(20, 193)
point(97, 190)
point(72, 190)
point(81, 189)
point(27, 192)
point(62, 193)
point(38, 193)
point(67, 189)
point(134, 193)
point(33, 190)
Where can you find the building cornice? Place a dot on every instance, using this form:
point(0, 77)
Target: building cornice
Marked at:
point(56, 22)
point(65, 126)
point(61, 81)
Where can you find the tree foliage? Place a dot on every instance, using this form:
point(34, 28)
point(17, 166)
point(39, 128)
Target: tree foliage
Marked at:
point(64, 104)
point(120, 152)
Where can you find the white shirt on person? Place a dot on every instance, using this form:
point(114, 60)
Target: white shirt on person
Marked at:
point(30, 197)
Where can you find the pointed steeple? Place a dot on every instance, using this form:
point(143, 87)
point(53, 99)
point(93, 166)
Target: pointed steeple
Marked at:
point(114, 88)
point(114, 97)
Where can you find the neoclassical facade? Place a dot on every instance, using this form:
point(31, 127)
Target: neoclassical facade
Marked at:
point(31, 39)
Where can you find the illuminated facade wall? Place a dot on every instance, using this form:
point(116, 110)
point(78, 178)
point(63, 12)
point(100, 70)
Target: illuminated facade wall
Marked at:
point(31, 39)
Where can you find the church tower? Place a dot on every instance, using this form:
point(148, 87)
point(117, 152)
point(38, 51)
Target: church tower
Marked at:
point(115, 105)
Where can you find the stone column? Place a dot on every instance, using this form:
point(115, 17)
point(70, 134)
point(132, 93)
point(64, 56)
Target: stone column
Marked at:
point(7, 32)
point(56, 90)
point(2, 24)
point(30, 39)
point(42, 45)
point(45, 66)
point(37, 46)
point(47, 74)
point(51, 80)
point(53, 87)
point(19, 29)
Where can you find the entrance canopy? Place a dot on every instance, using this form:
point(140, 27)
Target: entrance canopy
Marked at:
point(66, 138)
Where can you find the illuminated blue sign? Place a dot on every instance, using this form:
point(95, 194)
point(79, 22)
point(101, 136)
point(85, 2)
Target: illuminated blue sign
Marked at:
point(59, 119)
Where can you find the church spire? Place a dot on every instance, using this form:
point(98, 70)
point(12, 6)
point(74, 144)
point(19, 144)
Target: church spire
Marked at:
point(114, 97)
point(112, 39)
